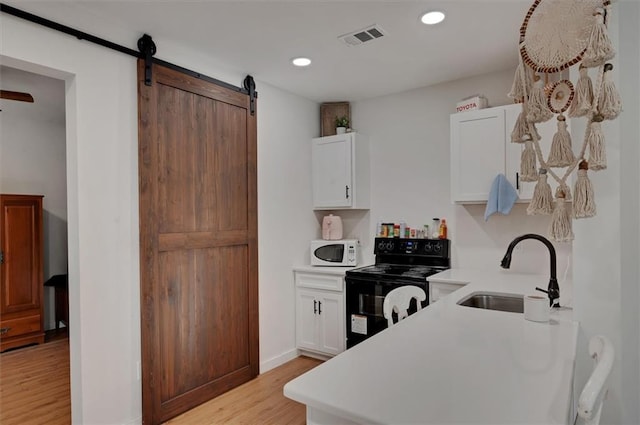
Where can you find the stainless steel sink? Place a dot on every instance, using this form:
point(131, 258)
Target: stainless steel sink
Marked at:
point(512, 303)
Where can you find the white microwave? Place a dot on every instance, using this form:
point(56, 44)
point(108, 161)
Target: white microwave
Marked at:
point(334, 253)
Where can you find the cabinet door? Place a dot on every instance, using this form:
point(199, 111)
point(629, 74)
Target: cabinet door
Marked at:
point(477, 153)
point(332, 323)
point(331, 171)
point(307, 325)
point(21, 277)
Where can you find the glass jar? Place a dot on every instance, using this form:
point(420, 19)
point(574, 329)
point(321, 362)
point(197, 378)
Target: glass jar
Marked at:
point(435, 228)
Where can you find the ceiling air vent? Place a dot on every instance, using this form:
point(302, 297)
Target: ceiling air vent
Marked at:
point(362, 36)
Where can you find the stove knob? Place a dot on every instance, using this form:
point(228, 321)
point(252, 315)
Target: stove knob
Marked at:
point(437, 247)
point(381, 246)
point(428, 247)
point(389, 246)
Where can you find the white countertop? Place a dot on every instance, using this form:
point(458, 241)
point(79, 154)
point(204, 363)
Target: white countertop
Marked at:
point(453, 364)
point(340, 271)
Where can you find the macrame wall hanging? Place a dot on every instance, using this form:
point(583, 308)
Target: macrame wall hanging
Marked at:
point(556, 35)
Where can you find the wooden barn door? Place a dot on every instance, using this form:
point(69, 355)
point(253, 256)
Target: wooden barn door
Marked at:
point(198, 241)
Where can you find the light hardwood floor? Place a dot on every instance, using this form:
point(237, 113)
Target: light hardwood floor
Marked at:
point(34, 385)
point(259, 401)
point(34, 390)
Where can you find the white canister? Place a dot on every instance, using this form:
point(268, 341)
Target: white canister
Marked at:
point(331, 227)
point(536, 308)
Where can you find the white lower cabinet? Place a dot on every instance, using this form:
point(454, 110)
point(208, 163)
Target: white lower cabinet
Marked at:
point(320, 322)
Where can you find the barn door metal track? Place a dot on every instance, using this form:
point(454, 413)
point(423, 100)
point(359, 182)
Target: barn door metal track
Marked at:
point(146, 46)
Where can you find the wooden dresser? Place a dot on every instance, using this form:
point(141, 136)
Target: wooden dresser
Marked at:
point(21, 271)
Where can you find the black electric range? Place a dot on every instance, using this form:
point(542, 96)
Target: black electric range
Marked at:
point(397, 262)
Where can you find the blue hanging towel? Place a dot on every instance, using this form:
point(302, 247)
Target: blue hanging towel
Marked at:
point(501, 198)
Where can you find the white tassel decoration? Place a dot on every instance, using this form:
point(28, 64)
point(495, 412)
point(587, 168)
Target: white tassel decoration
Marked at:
point(609, 104)
point(528, 171)
point(533, 132)
point(583, 203)
point(565, 189)
point(517, 92)
point(542, 200)
point(599, 48)
point(561, 154)
point(560, 229)
point(583, 101)
point(537, 110)
point(597, 150)
point(520, 132)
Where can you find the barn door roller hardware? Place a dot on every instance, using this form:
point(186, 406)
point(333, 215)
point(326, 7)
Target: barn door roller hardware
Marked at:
point(148, 48)
point(250, 86)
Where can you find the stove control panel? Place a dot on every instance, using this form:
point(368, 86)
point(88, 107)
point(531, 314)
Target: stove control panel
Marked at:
point(423, 247)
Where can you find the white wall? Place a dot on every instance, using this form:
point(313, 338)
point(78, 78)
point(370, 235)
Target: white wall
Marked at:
point(32, 142)
point(102, 163)
point(286, 222)
point(409, 136)
point(606, 270)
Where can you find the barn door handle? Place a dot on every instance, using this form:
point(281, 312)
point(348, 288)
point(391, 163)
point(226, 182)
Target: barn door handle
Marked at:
point(4, 330)
point(315, 310)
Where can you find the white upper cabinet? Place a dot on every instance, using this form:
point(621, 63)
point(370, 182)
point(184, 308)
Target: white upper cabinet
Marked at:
point(477, 153)
point(481, 149)
point(340, 172)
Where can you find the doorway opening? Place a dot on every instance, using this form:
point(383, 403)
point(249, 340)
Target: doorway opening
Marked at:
point(33, 162)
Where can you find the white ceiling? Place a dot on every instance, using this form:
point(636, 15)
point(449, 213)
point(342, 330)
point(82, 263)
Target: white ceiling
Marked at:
point(260, 37)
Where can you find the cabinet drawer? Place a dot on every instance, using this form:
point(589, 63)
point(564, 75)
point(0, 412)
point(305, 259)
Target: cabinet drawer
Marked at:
point(319, 281)
point(20, 326)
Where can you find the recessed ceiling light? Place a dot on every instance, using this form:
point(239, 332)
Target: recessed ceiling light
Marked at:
point(301, 61)
point(432, 18)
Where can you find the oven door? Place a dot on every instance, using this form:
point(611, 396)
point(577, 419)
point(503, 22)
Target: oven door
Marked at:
point(364, 300)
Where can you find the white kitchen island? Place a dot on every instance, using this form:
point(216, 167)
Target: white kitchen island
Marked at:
point(451, 364)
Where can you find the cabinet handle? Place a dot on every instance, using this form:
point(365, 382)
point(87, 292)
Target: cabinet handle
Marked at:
point(315, 310)
point(4, 330)
point(319, 307)
point(517, 181)
point(346, 192)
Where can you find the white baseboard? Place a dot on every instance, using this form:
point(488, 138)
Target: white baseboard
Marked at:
point(278, 360)
point(134, 421)
point(319, 356)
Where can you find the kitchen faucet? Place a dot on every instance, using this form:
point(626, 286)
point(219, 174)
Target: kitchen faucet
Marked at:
point(553, 291)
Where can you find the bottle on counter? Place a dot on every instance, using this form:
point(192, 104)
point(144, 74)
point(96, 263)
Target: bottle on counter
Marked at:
point(396, 230)
point(403, 227)
point(379, 230)
point(442, 234)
